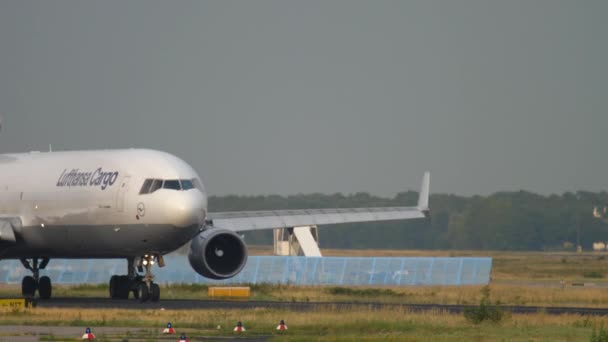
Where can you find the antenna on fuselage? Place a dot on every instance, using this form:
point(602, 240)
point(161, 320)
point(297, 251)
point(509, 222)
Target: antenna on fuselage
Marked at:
point(1, 121)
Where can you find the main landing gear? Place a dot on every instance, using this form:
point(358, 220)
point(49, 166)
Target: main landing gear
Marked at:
point(30, 284)
point(142, 287)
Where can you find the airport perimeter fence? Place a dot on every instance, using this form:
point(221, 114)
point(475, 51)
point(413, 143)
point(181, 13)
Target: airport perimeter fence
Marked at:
point(410, 271)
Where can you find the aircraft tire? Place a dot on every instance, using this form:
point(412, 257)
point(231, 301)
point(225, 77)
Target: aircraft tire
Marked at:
point(144, 294)
point(135, 292)
point(155, 292)
point(45, 288)
point(113, 287)
point(123, 287)
point(119, 287)
point(28, 286)
point(134, 286)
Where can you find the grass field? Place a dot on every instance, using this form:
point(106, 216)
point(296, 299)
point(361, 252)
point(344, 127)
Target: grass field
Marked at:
point(517, 279)
point(362, 325)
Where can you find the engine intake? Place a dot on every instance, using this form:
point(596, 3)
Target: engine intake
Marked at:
point(217, 254)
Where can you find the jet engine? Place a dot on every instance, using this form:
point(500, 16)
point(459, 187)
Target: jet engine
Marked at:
point(217, 254)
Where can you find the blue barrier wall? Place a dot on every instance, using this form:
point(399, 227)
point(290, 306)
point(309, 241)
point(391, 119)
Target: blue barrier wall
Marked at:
point(279, 270)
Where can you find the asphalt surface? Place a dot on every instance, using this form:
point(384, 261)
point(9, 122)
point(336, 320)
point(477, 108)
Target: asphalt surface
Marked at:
point(174, 304)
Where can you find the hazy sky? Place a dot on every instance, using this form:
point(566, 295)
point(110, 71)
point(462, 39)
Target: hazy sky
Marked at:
point(319, 96)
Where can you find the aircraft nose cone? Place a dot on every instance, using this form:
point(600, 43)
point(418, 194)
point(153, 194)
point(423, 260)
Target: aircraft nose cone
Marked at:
point(187, 209)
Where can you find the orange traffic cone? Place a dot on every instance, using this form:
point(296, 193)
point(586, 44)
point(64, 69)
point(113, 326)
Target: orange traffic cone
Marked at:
point(88, 335)
point(282, 326)
point(169, 329)
point(239, 327)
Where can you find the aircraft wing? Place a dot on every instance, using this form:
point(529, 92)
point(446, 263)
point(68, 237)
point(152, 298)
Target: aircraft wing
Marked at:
point(255, 220)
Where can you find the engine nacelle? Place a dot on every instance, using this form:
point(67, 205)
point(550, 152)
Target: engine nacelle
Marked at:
point(218, 254)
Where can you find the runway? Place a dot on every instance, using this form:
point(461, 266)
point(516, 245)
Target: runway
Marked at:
point(176, 304)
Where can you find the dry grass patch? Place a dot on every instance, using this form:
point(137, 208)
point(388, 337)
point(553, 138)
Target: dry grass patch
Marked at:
point(326, 325)
point(505, 294)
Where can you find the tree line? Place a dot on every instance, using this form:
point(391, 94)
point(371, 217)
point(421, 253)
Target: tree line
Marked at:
point(502, 221)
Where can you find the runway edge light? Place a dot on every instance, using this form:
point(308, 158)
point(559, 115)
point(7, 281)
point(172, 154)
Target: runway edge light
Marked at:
point(239, 327)
point(282, 326)
point(88, 334)
point(169, 329)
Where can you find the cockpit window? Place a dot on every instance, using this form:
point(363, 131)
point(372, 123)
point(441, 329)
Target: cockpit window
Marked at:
point(146, 187)
point(172, 184)
point(187, 184)
point(151, 185)
point(156, 184)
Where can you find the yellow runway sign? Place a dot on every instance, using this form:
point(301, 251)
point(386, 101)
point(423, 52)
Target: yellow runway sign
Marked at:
point(15, 303)
point(236, 292)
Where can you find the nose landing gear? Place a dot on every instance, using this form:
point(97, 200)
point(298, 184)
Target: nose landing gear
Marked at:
point(142, 287)
point(148, 290)
point(30, 284)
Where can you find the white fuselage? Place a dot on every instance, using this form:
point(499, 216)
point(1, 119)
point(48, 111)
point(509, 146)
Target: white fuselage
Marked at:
point(90, 203)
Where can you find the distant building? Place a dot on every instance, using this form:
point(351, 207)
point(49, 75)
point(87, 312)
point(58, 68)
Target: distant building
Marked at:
point(599, 246)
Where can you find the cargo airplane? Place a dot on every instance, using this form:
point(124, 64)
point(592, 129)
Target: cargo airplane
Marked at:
point(138, 205)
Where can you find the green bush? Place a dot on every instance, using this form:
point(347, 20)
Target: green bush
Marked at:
point(600, 335)
point(485, 311)
point(593, 274)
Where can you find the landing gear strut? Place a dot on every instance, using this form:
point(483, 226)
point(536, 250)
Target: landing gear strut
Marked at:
point(30, 284)
point(142, 287)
